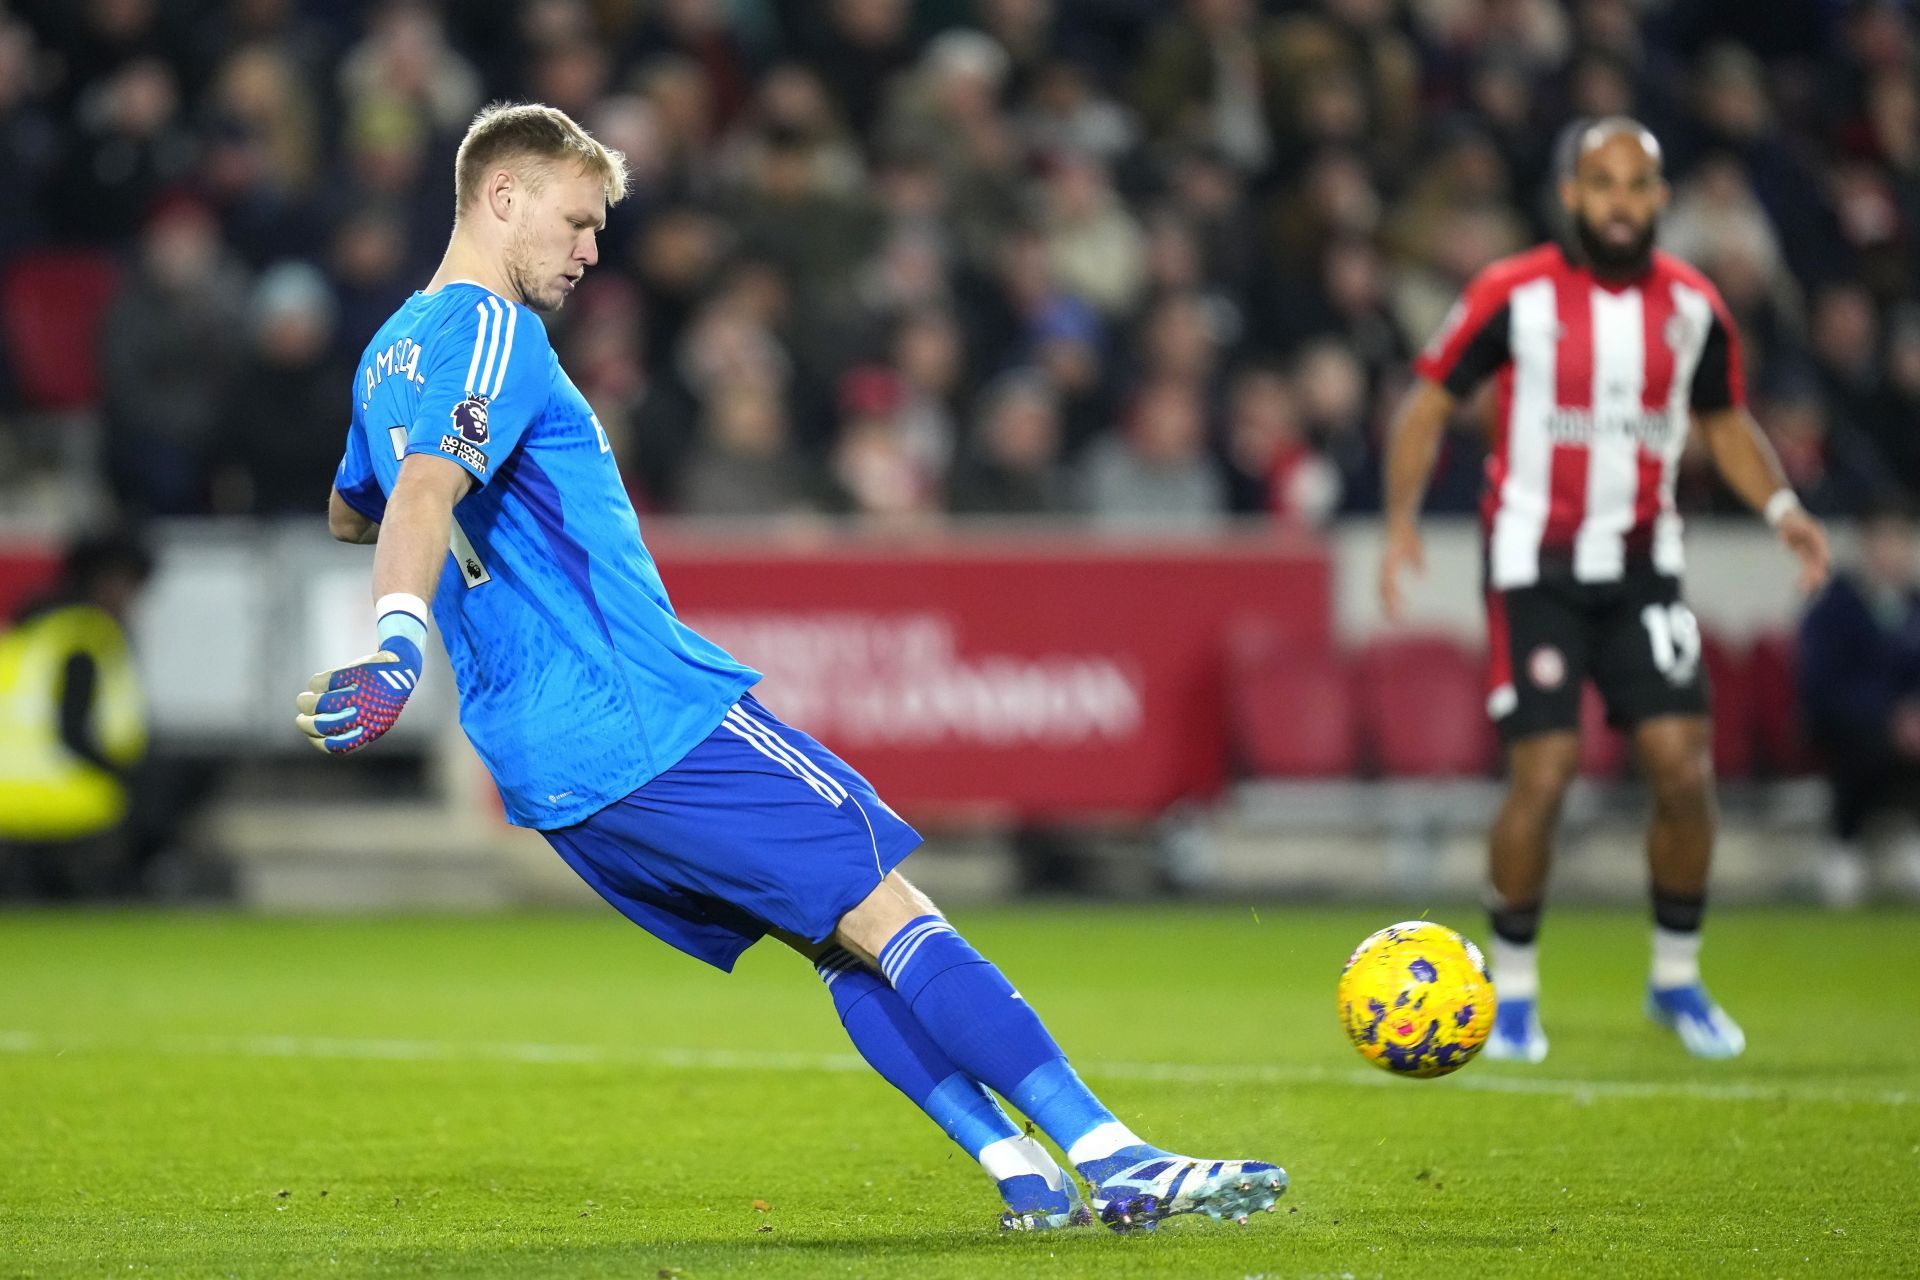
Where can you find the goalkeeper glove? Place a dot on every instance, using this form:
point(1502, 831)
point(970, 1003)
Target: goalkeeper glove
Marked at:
point(345, 709)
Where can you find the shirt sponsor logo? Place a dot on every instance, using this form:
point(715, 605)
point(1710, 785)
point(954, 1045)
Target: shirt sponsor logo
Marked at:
point(1651, 428)
point(460, 449)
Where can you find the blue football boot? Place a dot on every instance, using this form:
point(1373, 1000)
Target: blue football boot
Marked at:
point(1139, 1196)
point(1516, 1034)
point(1703, 1026)
point(1034, 1205)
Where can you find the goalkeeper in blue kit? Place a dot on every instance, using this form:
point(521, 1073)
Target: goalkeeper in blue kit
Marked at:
point(633, 744)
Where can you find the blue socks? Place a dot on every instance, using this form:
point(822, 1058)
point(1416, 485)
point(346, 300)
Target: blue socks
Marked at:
point(972, 1013)
point(895, 1045)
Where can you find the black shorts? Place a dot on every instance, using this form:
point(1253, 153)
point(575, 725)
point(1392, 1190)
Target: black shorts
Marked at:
point(1635, 639)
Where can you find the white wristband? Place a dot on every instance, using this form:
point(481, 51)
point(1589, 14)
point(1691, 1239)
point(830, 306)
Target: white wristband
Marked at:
point(413, 625)
point(1780, 505)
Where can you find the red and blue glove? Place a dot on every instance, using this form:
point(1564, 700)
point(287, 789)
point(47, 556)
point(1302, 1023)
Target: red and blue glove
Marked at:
point(345, 709)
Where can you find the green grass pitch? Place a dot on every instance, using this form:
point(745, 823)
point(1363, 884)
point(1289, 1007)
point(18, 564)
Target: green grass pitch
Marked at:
point(210, 1095)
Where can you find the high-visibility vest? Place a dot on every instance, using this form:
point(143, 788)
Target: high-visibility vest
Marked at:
point(46, 791)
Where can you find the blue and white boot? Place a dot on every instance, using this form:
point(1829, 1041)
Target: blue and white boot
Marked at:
point(1703, 1026)
point(1034, 1205)
point(1139, 1196)
point(1516, 1034)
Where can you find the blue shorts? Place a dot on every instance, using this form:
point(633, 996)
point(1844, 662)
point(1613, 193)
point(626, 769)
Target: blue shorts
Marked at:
point(758, 828)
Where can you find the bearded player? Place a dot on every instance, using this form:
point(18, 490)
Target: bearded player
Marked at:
point(1604, 354)
point(633, 744)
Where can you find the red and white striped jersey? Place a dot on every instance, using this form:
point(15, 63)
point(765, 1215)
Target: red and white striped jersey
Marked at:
point(1597, 384)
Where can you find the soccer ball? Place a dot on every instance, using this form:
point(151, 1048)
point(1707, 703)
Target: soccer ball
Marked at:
point(1416, 999)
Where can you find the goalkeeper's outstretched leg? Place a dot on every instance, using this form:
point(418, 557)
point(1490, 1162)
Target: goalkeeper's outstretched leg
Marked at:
point(985, 1028)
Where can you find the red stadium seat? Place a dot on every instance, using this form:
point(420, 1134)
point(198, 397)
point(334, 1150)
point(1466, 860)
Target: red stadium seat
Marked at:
point(1775, 698)
point(1728, 674)
point(1292, 709)
point(51, 305)
point(1422, 702)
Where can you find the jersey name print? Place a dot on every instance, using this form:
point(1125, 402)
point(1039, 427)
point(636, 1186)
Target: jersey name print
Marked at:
point(1596, 388)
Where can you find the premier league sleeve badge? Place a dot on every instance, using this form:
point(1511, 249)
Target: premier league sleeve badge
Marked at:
point(470, 419)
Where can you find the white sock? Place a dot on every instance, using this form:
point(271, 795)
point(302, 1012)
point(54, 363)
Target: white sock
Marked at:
point(1102, 1141)
point(1011, 1157)
point(1676, 958)
point(1516, 969)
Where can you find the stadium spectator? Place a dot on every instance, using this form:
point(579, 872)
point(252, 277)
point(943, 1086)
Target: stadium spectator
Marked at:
point(1335, 195)
point(168, 352)
point(1028, 32)
point(881, 469)
point(928, 356)
point(1178, 341)
point(675, 91)
point(128, 144)
point(29, 137)
point(571, 75)
point(787, 213)
point(1211, 196)
point(1860, 687)
point(1156, 474)
point(1064, 111)
point(261, 159)
point(367, 263)
point(1711, 205)
point(950, 108)
point(856, 46)
point(1066, 342)
point(791, 101)
point(274, 448)
point(1094, 246)
point(404, 61)
point(1333, 396)
point(707, 34)
point(1735, 114)
point(909, 273)
point(1273, 467)
point(1012, 465)
point(383, 166)
point(745, 463)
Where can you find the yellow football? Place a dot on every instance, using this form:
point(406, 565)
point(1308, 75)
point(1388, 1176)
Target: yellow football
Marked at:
point(1416, 999)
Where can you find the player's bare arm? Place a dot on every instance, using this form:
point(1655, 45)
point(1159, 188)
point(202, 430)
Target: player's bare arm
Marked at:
point(1417, 428)
point(413, 541)
point(348, 525)
point(1748, 464)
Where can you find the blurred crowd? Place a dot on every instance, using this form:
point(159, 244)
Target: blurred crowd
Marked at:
point(1146, 261)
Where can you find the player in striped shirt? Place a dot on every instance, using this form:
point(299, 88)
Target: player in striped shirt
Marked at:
point(1604, 354)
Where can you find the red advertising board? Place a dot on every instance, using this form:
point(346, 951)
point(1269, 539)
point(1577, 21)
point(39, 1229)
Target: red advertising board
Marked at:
point(996, 677)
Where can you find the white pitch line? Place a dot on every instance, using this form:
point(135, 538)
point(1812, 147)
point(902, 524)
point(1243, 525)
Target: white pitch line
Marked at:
point(28, 1042)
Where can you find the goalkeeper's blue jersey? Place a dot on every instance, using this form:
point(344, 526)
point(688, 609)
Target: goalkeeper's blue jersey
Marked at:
point(577, 682)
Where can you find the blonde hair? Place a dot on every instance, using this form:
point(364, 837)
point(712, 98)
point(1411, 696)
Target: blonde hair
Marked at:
point(504, 132)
